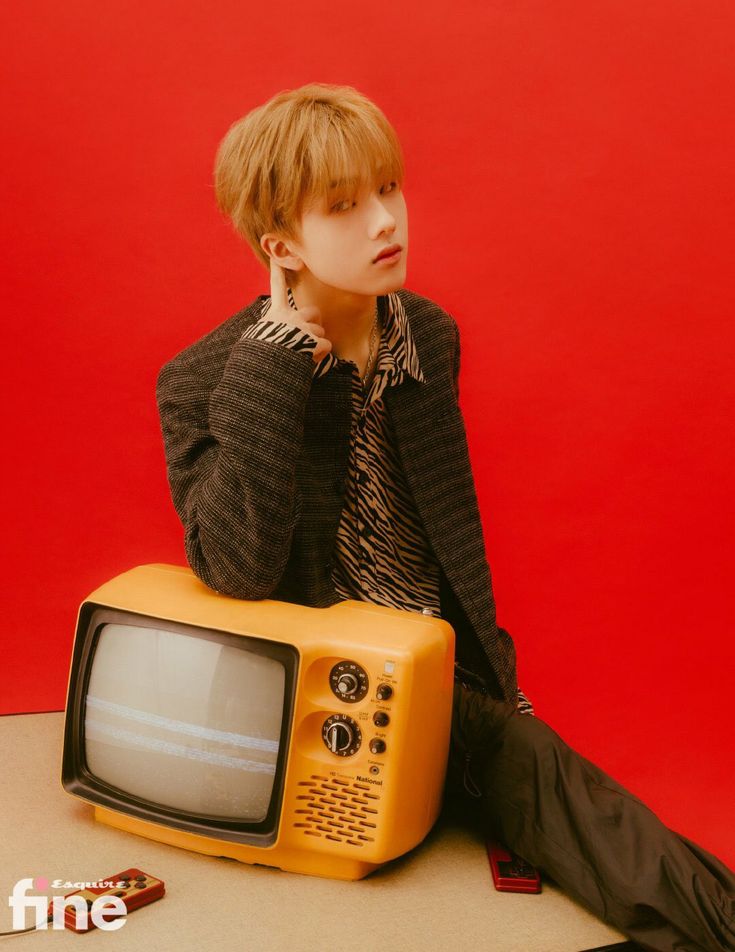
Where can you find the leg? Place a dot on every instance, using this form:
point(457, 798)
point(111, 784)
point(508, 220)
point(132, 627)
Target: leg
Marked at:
point(601, 844)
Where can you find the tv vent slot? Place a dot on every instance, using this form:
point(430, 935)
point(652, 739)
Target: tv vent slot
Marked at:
point(337, 810)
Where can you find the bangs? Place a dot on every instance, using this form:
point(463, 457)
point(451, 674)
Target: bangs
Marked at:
point(342, 159)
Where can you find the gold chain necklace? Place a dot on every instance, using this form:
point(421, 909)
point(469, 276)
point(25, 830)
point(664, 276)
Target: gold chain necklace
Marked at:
point(372, 346)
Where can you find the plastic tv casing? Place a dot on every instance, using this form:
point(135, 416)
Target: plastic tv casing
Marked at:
point(364, 734)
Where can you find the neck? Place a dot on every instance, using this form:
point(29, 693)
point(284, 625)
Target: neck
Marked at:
point(347, 318)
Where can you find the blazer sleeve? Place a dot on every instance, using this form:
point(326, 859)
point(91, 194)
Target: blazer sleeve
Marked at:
point(231, 453)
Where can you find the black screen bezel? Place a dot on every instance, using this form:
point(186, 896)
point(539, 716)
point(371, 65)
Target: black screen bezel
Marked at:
point(77, 779)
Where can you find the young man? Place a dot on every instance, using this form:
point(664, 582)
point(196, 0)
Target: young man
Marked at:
point(316, 451)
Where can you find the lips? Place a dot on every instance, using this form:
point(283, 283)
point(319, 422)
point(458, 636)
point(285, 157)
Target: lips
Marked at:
point(386, 252)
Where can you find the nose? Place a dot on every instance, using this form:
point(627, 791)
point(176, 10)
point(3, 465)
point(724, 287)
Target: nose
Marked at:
point(381, 219)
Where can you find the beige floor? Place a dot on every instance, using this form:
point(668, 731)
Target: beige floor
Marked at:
point(438, 897)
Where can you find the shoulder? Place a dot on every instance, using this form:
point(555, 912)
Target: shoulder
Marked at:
point(207, 356)
point(421, 310)
point(433, 329)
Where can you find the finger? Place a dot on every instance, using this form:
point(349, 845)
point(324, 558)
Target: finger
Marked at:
point(310, 312)
point(279, 290)
point(323, 347)
point(316, 330)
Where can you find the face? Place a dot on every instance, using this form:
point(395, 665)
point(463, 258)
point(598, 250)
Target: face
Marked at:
point(342, 234)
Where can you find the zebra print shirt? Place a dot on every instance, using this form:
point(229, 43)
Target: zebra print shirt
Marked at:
point(382, 553)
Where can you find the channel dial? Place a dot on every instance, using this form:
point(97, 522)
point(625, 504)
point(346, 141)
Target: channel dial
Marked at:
point(341, 735)
point(349, 681)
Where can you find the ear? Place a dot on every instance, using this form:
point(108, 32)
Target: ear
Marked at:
point(275, 247)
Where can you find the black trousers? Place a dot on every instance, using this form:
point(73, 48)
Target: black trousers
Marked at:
point(515, 777)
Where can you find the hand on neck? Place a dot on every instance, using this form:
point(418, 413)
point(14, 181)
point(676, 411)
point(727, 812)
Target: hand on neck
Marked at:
point(347, 318)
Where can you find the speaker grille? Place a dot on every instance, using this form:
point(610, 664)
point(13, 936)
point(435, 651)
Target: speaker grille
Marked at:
point(337, 810)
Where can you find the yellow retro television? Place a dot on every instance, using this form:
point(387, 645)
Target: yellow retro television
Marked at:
point(310, 739)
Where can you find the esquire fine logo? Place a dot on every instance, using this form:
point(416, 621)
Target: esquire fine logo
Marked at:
point(110, 906)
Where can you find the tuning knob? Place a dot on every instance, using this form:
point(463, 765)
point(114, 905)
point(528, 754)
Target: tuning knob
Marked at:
point(349, 681)
point(341, 735)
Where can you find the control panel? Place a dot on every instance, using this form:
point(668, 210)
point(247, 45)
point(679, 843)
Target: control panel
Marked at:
point(341, 733)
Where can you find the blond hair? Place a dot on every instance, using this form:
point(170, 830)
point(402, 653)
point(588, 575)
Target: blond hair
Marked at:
point(282, 157)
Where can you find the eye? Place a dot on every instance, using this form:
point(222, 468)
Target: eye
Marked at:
point(338, 207)
point(346, 203)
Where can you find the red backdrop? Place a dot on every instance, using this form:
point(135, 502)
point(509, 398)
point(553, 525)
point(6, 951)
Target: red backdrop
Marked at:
point(570, 202)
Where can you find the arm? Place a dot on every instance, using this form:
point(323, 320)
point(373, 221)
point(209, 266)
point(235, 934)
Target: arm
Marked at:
point(523, 703)
point(231, 456)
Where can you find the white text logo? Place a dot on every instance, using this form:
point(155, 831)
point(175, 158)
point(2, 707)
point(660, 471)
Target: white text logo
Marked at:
point(102, 906)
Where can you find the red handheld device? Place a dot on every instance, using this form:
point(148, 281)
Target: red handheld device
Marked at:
point(133, 886)
point(511, 873)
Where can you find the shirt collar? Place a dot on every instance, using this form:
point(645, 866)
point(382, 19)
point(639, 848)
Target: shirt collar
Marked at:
point(397, 354)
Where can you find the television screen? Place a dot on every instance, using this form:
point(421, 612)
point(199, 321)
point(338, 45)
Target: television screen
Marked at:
point(184, 721)
point(179, 723)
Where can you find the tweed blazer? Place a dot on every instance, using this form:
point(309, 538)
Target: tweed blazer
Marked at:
point(257, 456)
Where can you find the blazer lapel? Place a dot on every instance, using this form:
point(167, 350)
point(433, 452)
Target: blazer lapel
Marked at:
point(432, 444)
